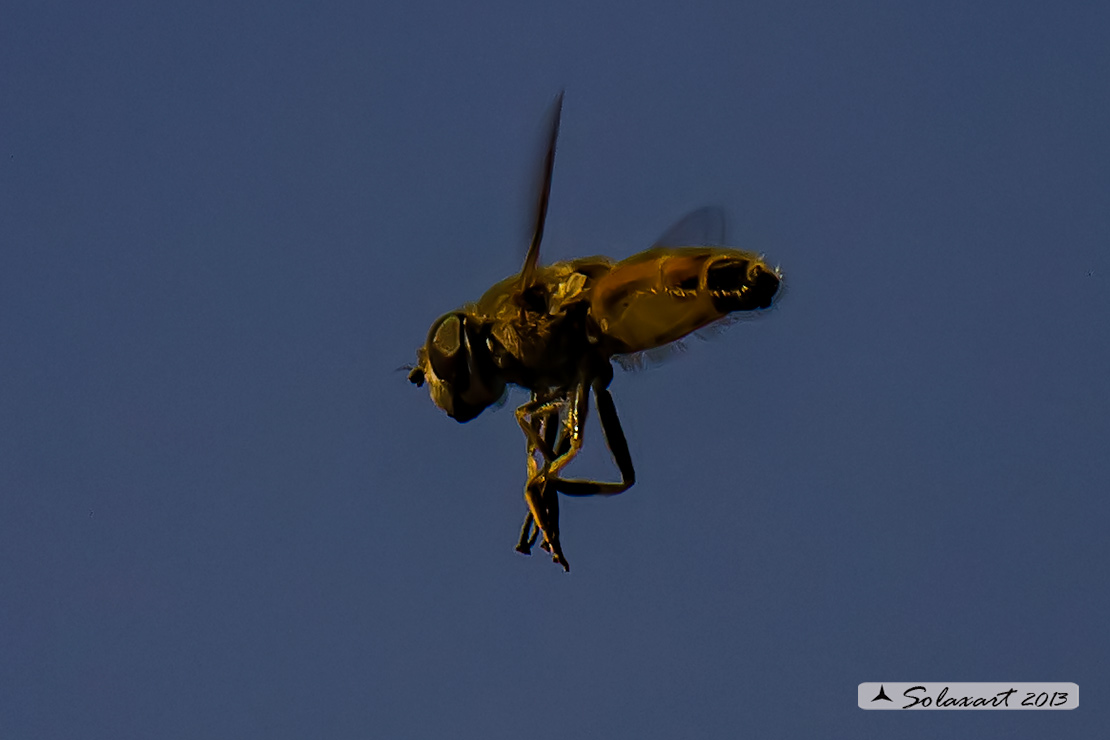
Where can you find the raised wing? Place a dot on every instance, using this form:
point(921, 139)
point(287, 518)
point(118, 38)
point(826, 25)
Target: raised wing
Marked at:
point(528, 272)
point(704, 227)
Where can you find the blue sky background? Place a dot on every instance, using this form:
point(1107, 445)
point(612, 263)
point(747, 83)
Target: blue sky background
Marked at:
point(224, 225)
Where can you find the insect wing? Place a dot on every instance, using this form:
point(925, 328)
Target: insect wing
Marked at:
point(685, 282)
point(704, 227)
point(527, 274)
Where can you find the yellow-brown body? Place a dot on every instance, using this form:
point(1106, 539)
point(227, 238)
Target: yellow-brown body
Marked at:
point(554, 331)
point(640, 303)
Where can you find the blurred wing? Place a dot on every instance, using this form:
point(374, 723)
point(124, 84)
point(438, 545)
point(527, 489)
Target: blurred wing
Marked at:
point(704, 227)
point(527, 273)
point(635, 362)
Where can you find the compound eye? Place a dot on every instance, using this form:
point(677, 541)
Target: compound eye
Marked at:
point(446, 350)
point(446, 334)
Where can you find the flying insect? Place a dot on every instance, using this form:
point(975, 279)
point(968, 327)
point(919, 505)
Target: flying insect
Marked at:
point(555, 330)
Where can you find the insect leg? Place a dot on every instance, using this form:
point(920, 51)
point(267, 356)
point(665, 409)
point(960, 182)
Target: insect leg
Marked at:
point(542, 497)
point(558, 440)
point(567, 444)
point(551, 429)
point(531, 416)
point(548, 429)
point(571, 442)
point(618, 446)
point(544, 515)
point(532, 432)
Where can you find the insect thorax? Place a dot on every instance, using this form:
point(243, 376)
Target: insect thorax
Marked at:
point(538, 350)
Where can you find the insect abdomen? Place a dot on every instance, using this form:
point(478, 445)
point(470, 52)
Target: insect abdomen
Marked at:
point(661, 295)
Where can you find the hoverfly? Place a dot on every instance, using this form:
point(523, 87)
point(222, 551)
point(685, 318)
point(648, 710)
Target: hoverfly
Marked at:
point(555, 330)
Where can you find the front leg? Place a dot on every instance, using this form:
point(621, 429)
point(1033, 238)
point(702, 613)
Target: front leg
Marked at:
point(539, 421)
point(542, 497)
point(548, 428)
point(531, 417)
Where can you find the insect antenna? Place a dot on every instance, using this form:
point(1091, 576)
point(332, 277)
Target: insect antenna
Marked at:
point(415, 373)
